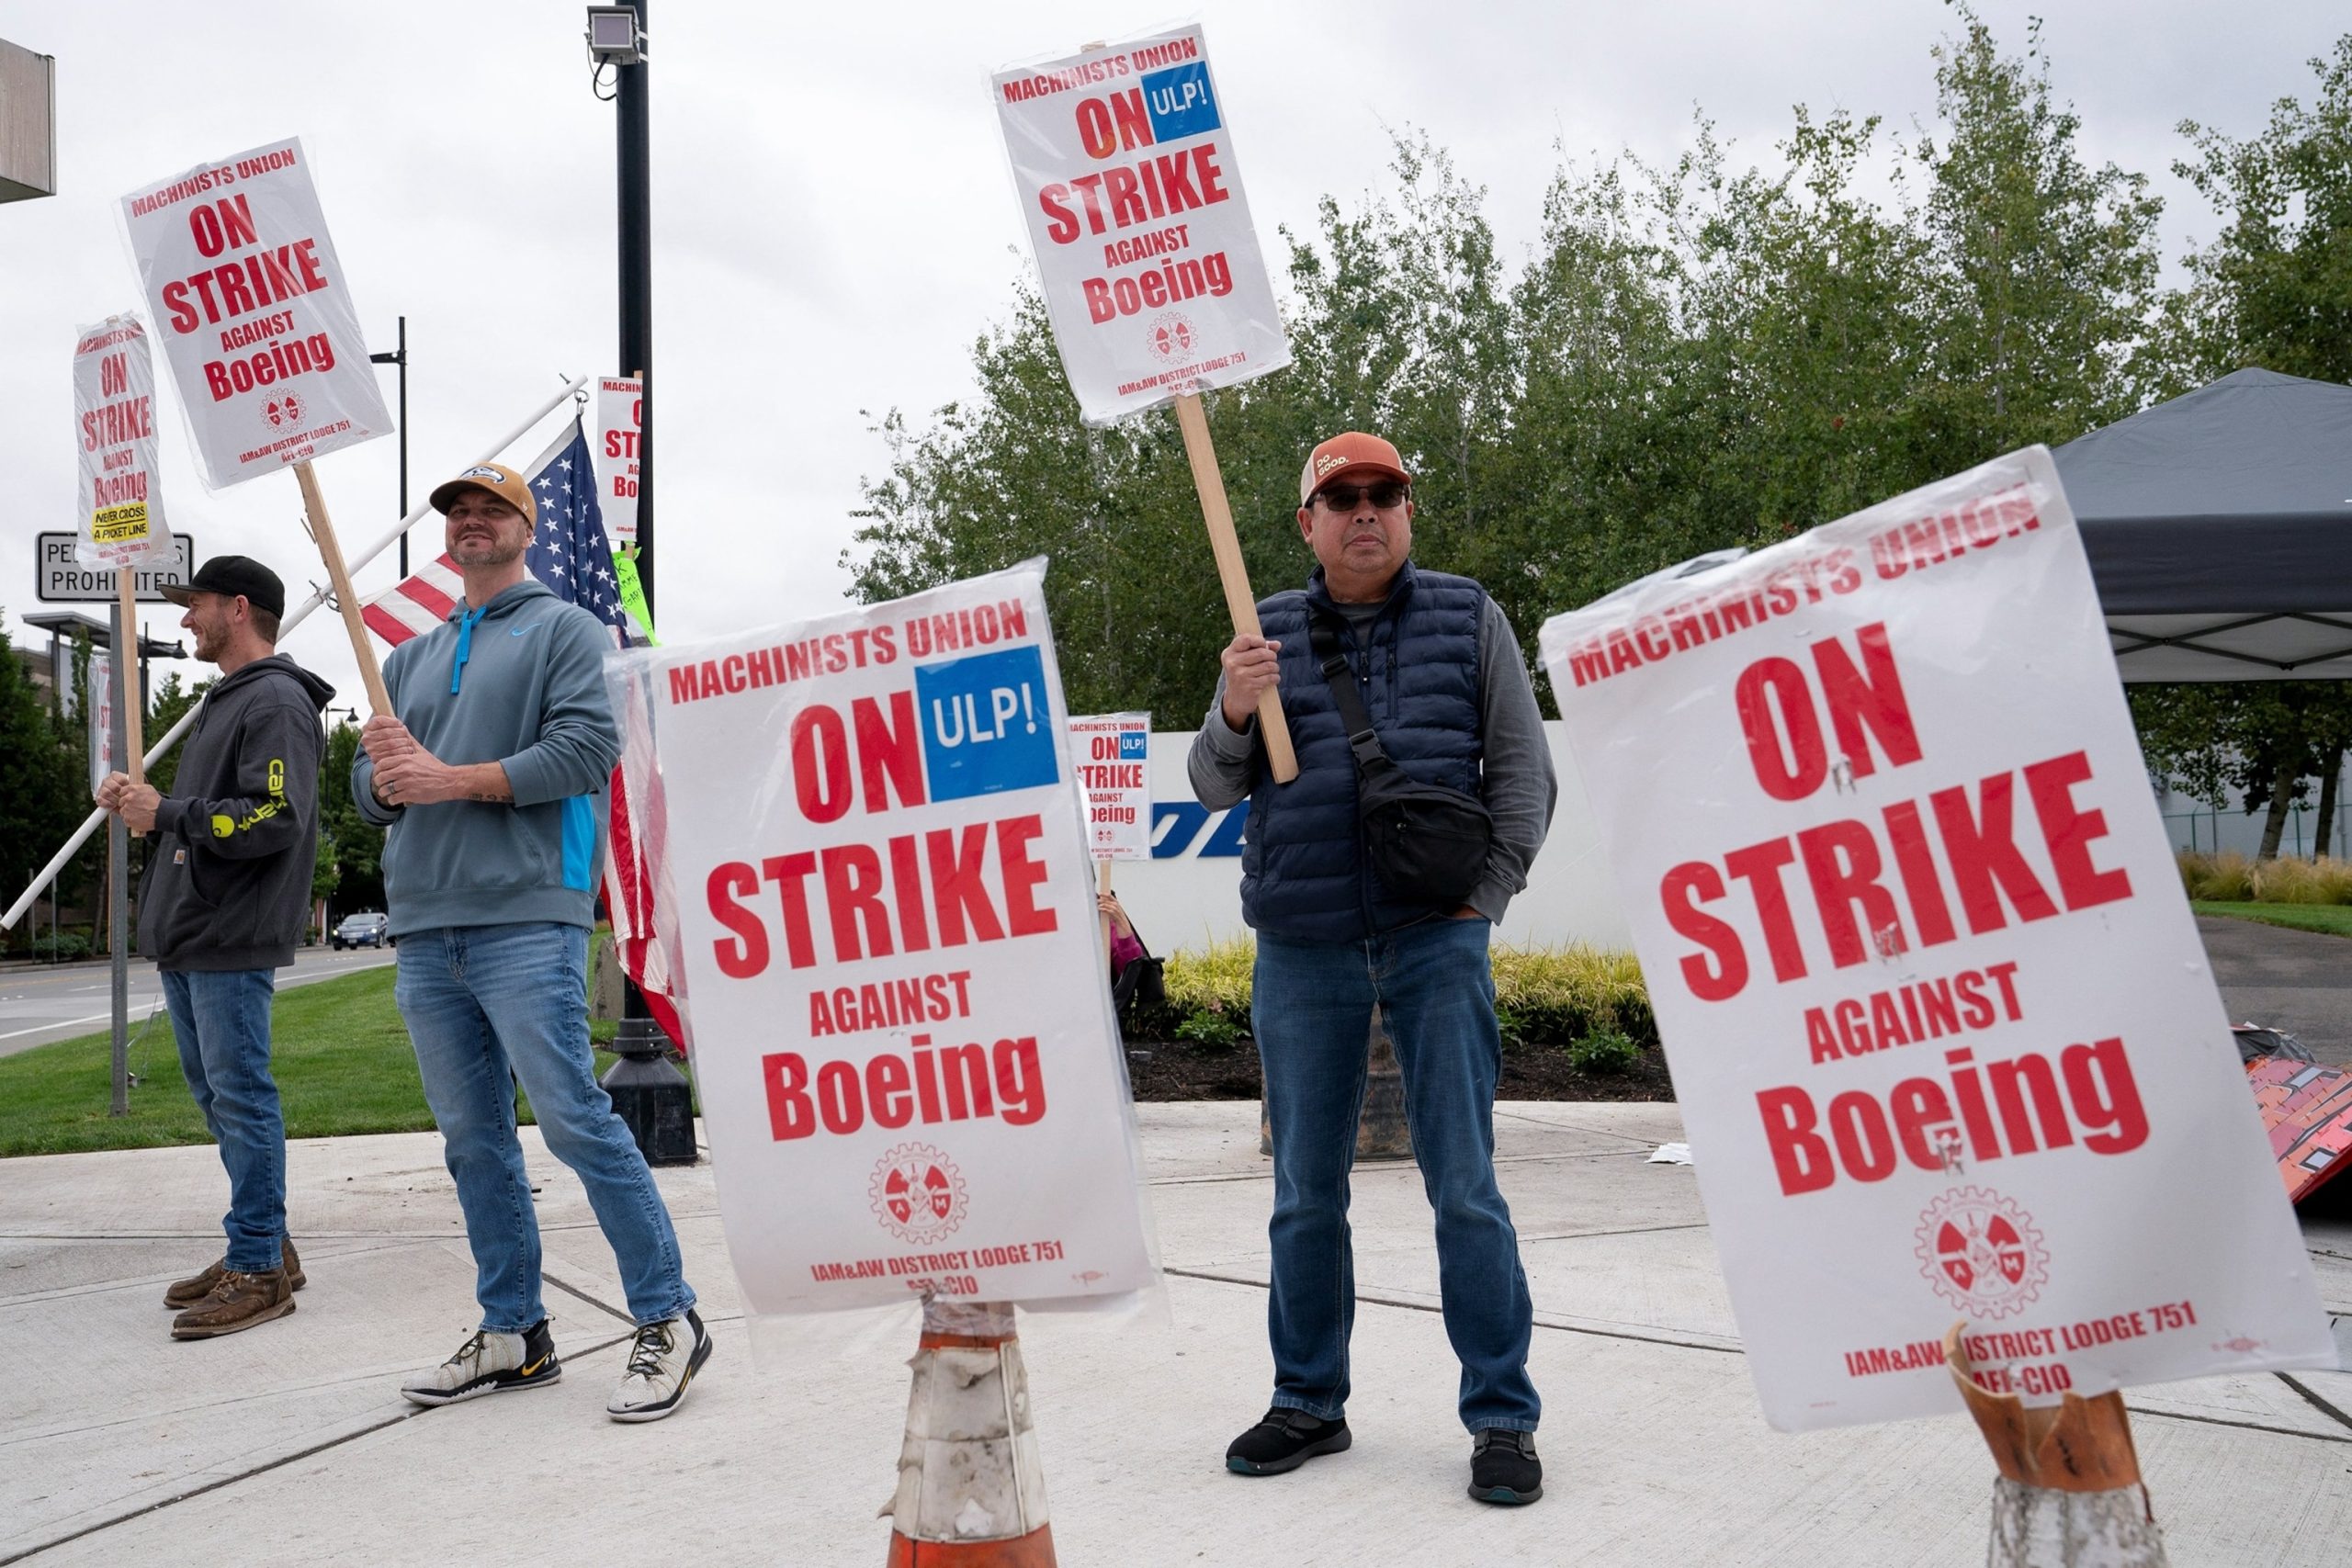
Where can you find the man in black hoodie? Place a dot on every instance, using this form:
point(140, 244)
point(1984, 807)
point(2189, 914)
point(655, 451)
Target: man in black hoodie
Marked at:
point(227, 891)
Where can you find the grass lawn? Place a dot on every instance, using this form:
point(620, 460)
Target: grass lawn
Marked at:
point(338, 1049)
point(2334, 919)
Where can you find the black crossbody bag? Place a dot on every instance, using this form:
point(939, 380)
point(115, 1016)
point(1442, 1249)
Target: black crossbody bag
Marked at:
point(1428, 842)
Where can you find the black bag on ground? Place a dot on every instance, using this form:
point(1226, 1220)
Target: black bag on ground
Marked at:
point(1428, 842)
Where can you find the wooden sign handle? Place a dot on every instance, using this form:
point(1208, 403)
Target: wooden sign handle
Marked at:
point(1240, 603)
point(372, 674)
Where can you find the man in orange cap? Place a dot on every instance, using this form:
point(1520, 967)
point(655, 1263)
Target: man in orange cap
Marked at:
point(1409, 703)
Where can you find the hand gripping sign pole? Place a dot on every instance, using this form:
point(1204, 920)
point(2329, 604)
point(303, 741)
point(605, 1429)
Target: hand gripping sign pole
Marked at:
point(294, 617)
point(1151, 272)
point(262, 334)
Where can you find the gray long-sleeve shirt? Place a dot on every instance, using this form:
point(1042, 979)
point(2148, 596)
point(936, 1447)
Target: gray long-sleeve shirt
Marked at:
point(1520, 786)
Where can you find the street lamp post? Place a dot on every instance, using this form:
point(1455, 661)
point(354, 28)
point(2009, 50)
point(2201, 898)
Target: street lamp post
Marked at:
point(399, 357)
point(649, 1091)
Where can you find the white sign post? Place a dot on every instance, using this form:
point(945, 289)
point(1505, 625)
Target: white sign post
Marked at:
point(620, 425)
point(1947, 1043)
point(1123, 160)
point(900, 1017)
point(263, 340)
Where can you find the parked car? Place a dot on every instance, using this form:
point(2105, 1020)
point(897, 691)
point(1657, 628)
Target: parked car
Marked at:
point(365, 929)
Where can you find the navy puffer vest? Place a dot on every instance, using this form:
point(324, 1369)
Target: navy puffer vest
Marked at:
point(1303, 869)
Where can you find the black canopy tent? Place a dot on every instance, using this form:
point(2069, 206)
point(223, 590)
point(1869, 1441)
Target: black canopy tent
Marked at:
point(2219, 527)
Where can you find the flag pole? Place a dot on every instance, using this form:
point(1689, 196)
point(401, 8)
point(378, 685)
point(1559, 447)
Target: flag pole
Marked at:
point(293, 618)
point(372, 674)
point(1240, 603)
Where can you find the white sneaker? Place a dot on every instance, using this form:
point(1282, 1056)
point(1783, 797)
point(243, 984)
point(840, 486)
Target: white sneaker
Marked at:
point(661, 1363)
point(490, 1362)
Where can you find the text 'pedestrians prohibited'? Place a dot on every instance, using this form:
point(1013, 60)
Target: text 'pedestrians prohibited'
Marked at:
point(62, 580)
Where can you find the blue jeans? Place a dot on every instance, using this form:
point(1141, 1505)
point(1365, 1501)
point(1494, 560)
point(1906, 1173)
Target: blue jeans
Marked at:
point(220, 1019)
point(490, 1006)
point(1312, 1006)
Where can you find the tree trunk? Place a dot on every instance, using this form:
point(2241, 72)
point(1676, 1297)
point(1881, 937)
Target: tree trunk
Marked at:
point(2327, 804)
point(2282, 794)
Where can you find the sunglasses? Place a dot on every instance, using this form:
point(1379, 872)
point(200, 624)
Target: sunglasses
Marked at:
point(1384, 495)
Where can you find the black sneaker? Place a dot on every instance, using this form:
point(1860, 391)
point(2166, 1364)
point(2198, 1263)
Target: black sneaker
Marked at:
point(1284, 1440)
point(1504, 1469)
point(488, 1364)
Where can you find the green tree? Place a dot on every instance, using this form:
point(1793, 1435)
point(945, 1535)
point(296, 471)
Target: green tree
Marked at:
point(351, 849)
point(44, 783)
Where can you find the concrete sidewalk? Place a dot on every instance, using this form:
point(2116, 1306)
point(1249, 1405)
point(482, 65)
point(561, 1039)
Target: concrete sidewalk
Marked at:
point(290, 1444)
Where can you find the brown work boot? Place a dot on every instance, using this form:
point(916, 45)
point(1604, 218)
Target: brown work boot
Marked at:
point(182, 1294)
point(238, 1302)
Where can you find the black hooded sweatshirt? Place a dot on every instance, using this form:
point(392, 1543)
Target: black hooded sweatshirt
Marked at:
point(228, 883)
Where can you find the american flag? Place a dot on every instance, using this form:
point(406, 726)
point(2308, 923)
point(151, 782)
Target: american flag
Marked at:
point(572, 556)
point(568, 553)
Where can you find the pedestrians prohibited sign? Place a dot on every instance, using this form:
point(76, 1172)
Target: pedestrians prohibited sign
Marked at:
point(61, 578)
point(900, 1017)
point(1947, 1040)
point(1124, 162)
point(244, 290)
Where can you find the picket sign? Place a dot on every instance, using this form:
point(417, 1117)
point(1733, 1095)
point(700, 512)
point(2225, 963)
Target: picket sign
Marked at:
point(1153, 280)
point(119, 518)
point(620, 425)
point(899, 1006)
point(263, 338)
point(1946, 1038)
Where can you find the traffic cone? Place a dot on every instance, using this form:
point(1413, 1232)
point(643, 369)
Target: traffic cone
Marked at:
point(971, 1488)
point(2069, 1493)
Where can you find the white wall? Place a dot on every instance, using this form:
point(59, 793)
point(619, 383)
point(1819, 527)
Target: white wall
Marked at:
point(1189, 893)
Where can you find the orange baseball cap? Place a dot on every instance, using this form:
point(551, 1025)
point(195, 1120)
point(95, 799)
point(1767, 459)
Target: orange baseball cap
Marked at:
point(1344, 454)
point(497, 480)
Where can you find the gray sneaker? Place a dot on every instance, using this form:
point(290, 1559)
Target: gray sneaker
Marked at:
point(490, 1362)
point(661, 1364)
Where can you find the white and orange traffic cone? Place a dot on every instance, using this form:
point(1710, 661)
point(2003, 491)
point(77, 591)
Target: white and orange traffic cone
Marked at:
point(2069, 1493)
point(971, 1488)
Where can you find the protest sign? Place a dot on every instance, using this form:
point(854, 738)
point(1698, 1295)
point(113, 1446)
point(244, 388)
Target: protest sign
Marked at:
point(263, 338)
point(98, 707)
point(262, 334)
point(1113, 752)
point(119, 518)
point(620, 419)
point(1123, 162)
point(896, 992)
point(1945, 1038)
point(1122, 159)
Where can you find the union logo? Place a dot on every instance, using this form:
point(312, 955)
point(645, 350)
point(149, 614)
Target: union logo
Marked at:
point(1982, 1252)
point(1171, 335)
point(284, 411)
point(918, 1193)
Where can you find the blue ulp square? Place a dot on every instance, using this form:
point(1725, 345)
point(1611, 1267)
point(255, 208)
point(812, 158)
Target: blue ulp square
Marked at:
point(1178, 102)
point(1135, 747)
point(987, 723)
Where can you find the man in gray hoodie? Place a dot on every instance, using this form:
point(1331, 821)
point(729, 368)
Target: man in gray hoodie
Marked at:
point(491, 780)
point(224, 900)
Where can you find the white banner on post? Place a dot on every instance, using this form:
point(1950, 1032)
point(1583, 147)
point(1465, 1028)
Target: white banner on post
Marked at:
point(119, 520)
point(895, 984)
point(619, 424)
point(1113, 752)
point(1945, 1039)
point(97, 708)
point(263, 340)
point(1122, 159)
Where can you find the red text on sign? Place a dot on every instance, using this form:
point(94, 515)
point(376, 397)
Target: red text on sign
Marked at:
point(953, 1083)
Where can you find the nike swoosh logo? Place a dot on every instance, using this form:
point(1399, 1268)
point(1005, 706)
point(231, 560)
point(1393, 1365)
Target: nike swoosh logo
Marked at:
point(518, 631)
point(534, 1367)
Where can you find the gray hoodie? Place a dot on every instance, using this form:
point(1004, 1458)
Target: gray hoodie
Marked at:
point(228, 883)
point(520, 683)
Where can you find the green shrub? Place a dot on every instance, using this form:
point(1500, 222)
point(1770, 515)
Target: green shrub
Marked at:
point(1603, 1051)
point(62, 948)
point(2285, 881)
point(1544, 998)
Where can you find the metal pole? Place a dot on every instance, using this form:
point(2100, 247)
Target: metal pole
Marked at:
point(635, 202)
point(399, 357)
point(119, 877)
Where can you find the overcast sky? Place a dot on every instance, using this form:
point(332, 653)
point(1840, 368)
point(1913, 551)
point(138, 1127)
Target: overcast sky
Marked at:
point(833, 219)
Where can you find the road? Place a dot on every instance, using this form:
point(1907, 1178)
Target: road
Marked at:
point(37, 1006)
